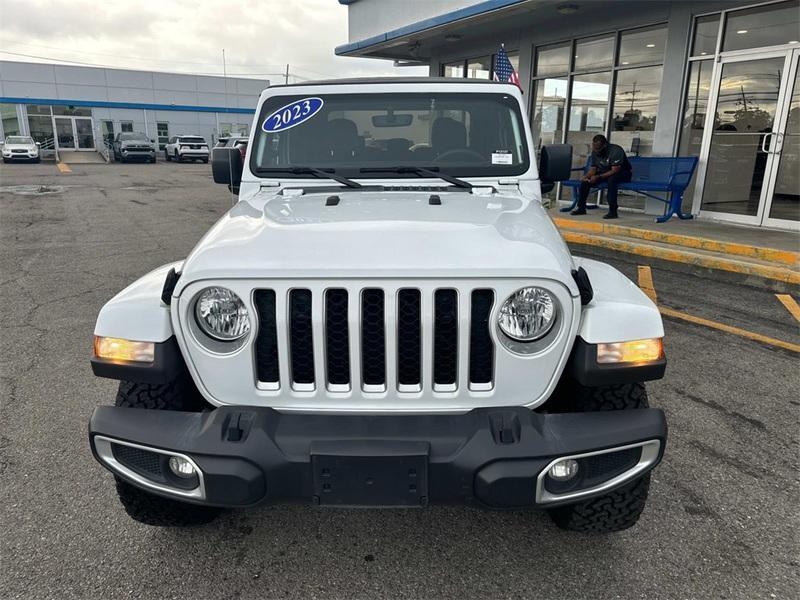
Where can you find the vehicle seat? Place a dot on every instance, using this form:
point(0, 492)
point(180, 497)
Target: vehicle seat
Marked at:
point(342, 139)
point(446, 134)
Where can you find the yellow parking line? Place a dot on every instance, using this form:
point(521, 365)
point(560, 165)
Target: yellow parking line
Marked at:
point(646, 285)
point(790, 304)
point(646, 282)
point(63, 167)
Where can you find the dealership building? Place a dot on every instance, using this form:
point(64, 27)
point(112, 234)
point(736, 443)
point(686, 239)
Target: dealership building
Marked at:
point(716, 80)
point(80, 109)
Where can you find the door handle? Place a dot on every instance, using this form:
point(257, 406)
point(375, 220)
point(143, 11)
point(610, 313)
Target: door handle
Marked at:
point(778, 143)
point(764, 143)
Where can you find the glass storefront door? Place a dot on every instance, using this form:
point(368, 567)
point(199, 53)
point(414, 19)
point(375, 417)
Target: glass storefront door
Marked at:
point(744, 147)
point(84, 133)
point(74, 133)
point(65, 133)
point(783, 196)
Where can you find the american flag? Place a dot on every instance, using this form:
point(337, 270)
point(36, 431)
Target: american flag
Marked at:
point(504, 70)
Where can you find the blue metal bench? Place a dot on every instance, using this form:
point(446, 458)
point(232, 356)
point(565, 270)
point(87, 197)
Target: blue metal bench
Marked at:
point(650, 174)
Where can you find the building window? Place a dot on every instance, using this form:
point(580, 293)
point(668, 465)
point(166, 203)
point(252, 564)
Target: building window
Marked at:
point(162, 129)
point(8, 114)
point(706, 32)
point(72, 111)
point(126, 126)
point(479, 68)
point(453, 69)
point(40, 124)
point(108, 133)
point(580, 90)
point(770, 25)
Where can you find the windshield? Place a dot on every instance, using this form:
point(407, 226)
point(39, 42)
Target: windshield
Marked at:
point(18, 139)
point(139, 137)
point(462, 134)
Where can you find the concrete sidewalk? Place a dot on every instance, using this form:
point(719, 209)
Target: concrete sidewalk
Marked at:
point(750, 251)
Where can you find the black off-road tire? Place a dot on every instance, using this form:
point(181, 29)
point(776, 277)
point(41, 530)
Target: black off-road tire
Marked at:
point(620, 508)
point(150, 509)
point(167, 157)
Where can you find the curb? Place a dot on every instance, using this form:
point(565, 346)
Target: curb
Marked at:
point(784, 257)
point(776, 272)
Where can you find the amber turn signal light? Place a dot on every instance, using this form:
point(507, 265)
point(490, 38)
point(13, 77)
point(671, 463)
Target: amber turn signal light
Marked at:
point(637, 351)
point(109, 348)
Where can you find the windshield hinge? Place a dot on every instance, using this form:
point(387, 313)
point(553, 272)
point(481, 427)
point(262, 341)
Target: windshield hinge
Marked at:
point(508, 182)
point(269, 184)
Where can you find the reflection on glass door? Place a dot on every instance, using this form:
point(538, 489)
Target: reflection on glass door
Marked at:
point(744, 122)
point(65, 135)
point(83, 133)
point(784, 201)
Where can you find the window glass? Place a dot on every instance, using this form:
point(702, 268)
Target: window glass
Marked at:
point(126, 126)
point(41, 129)
point(462, 134)
point(549, 103)
point(553, 60)
point(75, 111)
point(695, 109)
point(588, 114)
point(706, 31)
point(108, 132)
point(38, 109)
point(8, 113)
point(479, 68)
point(162, 130)
point(454, 69)
point(769, 25)
point(635, 106)
point(642, 46)
point(594, 53)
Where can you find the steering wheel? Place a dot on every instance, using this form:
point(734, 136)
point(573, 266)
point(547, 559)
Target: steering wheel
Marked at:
point(457, 151)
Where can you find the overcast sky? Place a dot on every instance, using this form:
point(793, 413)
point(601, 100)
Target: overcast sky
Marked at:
point(259, 36)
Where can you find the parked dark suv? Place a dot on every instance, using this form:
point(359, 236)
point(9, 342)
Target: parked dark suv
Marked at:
point(134, 145)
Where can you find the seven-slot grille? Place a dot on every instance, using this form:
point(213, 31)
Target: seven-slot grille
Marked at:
point(374, 339)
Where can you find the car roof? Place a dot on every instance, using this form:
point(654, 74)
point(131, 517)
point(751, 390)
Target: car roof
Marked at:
point(391, 80)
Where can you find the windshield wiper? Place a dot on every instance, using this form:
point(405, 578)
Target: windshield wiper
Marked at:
point(311, 171)
point(431, 172)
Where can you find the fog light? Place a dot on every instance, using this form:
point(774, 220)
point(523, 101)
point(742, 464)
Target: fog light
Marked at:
point(181, 467)
point(563, 469)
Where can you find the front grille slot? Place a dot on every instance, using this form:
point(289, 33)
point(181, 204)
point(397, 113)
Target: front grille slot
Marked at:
point(481, 347)
point(409, 338)
point(373, 338)
point(267, 339)
point(445, 339)
point(337, 342)
point(301, 343)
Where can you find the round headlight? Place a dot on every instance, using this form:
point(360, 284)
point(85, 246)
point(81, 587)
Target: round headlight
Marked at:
point(527, 314)
point(221, 314)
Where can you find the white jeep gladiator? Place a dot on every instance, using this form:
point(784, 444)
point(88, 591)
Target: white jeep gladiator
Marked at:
point(387, 317)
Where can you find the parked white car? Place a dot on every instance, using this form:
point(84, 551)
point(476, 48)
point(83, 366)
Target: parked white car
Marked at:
point(186, 147)
point(387, 317)
point(20, 147)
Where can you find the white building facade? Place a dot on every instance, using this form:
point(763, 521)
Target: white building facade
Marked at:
point(82, 108)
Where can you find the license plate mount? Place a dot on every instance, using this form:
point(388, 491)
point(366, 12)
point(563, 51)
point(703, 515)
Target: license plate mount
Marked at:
point(370, 474)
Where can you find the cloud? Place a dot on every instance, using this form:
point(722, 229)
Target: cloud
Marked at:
point(260, 37)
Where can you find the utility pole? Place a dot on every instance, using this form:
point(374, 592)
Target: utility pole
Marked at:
point(286, 76)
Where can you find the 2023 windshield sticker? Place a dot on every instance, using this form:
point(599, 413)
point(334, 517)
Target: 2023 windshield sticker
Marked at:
point(291, 115)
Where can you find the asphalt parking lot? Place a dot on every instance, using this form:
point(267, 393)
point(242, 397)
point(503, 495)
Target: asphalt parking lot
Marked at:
point(722, 519)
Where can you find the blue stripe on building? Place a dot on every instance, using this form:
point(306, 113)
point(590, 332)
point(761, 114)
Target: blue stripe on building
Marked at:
point(135, 105)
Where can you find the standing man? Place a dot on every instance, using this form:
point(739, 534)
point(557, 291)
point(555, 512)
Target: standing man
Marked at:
point(609, 165)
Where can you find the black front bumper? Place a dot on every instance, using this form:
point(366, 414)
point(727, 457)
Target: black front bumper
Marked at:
point(489, 457)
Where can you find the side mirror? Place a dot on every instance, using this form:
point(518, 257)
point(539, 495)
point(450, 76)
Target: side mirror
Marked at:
point(555, 164)
point(152, 141)
point(38, 143)
point(226, 166)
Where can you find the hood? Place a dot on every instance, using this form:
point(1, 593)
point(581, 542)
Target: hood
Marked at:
point(19, 147)
point(381, 234)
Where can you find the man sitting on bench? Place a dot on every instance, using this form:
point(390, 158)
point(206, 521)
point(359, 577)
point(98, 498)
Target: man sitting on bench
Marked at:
point(609, 165)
